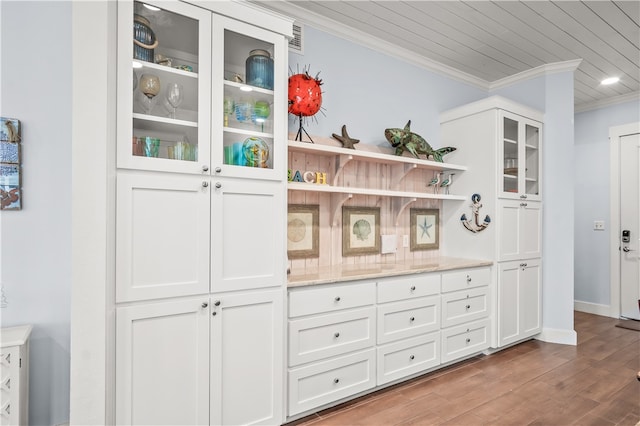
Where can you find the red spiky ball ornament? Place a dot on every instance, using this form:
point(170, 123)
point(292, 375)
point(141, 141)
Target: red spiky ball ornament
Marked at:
point(305, 98)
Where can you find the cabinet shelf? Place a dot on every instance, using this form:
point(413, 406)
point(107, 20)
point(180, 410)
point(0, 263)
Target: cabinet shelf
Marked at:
point(510, 141)
point(160, 120)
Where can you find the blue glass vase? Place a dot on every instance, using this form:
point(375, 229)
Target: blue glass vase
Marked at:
point(259, 69)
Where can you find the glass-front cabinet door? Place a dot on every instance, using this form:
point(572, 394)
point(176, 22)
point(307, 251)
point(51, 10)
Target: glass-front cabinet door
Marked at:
point(164, 86)
point(519, 162)
point(248, 104)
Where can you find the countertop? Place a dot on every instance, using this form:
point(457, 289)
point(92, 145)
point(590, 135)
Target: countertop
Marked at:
point(342, 273)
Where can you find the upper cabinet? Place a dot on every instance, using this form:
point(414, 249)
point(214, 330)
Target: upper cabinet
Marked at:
point(248, 101)
point(199, 93)
point(519, 151)
point(164, 81)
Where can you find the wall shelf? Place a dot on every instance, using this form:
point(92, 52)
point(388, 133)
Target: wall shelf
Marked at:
point(399, 168)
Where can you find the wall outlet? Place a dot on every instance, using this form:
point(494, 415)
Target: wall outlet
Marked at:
point(598, 225)
point(405, 241)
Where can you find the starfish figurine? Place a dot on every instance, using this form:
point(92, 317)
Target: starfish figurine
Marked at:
point(345, 139)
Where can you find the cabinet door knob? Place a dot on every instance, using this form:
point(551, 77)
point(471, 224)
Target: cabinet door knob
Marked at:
point(205, 184)
point(205, 168)
point(413, 288)
point(214, 313)
point(468, 279)
point(336, 380)
point(218, 169)
point(524, 196)
point(468, 340)
point(412, 357)
point(336, 335)
point(218, 185)
point(468, 306)
point(205, 304)
point(412, 319)
point(216, 303)
point(337, 299)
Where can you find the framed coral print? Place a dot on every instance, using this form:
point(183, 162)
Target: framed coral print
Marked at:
point(425, 231)
point(303, 231)
point(360, 230)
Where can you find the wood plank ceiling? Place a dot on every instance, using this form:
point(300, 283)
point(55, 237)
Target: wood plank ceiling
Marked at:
point(496, 40)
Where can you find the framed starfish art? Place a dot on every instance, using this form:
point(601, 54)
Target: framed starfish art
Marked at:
point(425, 229)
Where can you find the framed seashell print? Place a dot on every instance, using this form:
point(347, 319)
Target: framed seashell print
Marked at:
point(303, 231)
point(360, 230)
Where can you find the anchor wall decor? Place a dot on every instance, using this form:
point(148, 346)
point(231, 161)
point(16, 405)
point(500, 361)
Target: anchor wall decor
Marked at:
point(474, 224)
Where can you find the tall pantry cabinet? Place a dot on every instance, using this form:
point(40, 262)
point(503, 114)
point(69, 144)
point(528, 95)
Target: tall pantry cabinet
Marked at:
point(200, 210)
point(501, 143)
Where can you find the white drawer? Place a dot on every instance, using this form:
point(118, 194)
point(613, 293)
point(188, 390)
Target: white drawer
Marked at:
point(408, 318)
point(409, 356)
point(466, 278)
point(408, 287)
point(324, 382)
point(323, 299)
point(466, 339)
point(464, 306)
point(322, 336)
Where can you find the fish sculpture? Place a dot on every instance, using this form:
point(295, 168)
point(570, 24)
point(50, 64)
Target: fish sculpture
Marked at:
point(405, 139)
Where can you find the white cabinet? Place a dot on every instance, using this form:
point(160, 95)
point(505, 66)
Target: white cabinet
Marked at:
point(162, 236)
point(520, 300)
point(247, 369)
point(247, 236)
point(200, 213)
point(162, 363)
point(14, 375)
point(520, 168)
point(520, 229)
point(501, 143)
point(351, 337)
point(201, 360)
point(149, 135)
point(331, 340)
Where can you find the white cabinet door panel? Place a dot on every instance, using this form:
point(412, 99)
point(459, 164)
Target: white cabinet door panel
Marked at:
point(162, 363)
point(162, 237)
point(247, 241)
point(247, 350)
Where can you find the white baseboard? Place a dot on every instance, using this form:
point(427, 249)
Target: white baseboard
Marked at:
point(593, 308)
point(563, 337)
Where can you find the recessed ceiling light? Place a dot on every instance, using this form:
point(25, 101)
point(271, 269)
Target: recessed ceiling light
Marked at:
point(610, 80)
point(148, 6)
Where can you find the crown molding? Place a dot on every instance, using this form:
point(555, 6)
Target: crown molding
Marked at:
point(546, 69)
point(614, 100)
point(359, 37)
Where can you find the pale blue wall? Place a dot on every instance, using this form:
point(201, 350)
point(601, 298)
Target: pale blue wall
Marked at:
point(557, 189)
point(370, 91)
point(592, 193)
point(35, 269)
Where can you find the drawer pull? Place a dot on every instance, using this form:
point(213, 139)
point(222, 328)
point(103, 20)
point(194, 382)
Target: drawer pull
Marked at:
point(216, 303)
point(336, 335)
point(468, 306)
point(468, 340)
point(336, 381)
point(412, 319)
point(468, 279)
point(204, 304)
point(411, 357)
point(413, 288)
point(337, 299)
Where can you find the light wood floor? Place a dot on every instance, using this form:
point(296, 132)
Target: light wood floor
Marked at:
point(534, 383)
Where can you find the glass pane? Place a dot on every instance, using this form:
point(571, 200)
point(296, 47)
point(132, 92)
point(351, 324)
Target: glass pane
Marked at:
point(165, 84)
point(532, 160)
point(510, 156)
point(248, 101)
